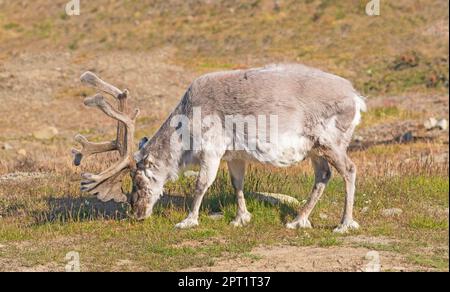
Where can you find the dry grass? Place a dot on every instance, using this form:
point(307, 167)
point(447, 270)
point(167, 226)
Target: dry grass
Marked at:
point(44, 218)
point(405, 49)
point(156, 48)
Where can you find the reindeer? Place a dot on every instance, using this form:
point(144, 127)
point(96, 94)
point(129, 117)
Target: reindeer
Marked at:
point(316, 115)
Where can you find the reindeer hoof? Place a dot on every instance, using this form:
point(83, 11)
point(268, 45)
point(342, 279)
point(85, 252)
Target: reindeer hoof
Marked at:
point(299, 223)
point(187, 223)
point(241, 220)
point(346, 227)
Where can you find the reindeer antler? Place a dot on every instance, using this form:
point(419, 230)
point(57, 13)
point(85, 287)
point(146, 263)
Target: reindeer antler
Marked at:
point(108, 184)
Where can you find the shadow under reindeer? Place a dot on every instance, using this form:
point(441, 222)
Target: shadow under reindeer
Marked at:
point(82, 209)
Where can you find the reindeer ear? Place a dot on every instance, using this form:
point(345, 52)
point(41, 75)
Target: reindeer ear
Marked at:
point(142, 143)
point(140, 155)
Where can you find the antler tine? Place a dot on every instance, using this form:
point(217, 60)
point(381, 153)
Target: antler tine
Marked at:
point(99, 101)
point(110, 189)
point(109, 180)
point(92, 80)
point(107, 185)
point(89, 148)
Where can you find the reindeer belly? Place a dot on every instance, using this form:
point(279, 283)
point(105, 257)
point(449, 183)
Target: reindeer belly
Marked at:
point(290, 149)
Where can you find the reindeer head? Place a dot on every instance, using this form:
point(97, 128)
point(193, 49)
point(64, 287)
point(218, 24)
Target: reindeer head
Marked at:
point(147, 185)
point(108, 184)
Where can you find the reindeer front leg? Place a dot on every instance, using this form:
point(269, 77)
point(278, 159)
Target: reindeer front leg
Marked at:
point(208, 171)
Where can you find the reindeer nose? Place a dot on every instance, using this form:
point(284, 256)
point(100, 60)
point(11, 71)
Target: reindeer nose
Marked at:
point(140, 216)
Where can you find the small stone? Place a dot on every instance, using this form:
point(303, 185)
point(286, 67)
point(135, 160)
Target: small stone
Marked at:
point(7, 146)
point(46, 133)
point(275, 199)
point(323, 216)
point(392, 212)
point(358, 139)
point(22, 152)
point(430, 123)
point(216, 216)
point(191, 173)
point(442, 124)
point(365, 210)
point(405, 138)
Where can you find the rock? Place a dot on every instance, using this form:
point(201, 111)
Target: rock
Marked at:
point(358, 139)
point(275, 199)
point(430, 123)
point(394, 212)
point(191, 173)
point(45, 133)
point(216, 216)
point(442, 124)
point(323, 216)
point(365, 210)
point(22, 152)
point(405, 138)
point(7, 146)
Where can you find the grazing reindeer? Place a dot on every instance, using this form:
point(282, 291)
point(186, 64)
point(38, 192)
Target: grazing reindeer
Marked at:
point(315, 114)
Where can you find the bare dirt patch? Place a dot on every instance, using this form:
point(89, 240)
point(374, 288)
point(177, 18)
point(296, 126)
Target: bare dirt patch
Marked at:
point(13, 265)
point(317, 259)
point(361, 239)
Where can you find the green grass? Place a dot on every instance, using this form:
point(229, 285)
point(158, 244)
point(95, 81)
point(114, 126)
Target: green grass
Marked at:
point(41, 222)
point(434, 262)
point(11, 25)
point(422, 222)
point(386, 114)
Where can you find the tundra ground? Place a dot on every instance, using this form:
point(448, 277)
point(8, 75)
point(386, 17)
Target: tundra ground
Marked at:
point(400, 62)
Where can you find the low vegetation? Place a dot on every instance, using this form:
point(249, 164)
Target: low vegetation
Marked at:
point(157, 47)
point(45, 218)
